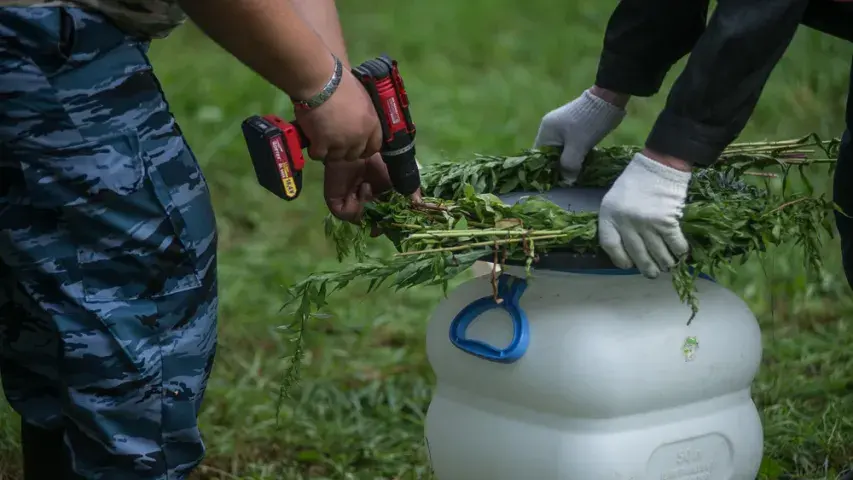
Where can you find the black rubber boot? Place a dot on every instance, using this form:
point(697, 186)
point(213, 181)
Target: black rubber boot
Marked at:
point(44, 453)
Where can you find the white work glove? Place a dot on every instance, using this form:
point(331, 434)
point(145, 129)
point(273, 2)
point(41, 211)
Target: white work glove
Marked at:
point(577, 127)
point(638, 223)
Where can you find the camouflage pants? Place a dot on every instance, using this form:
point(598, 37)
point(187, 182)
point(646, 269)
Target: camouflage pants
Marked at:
point(108, 293)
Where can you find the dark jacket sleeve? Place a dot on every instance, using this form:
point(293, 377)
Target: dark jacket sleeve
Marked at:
point(712, 99)
point(833, 17)
point(644, 39)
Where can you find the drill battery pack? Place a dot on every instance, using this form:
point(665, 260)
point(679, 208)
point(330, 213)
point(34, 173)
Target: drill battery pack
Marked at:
point(276, 152)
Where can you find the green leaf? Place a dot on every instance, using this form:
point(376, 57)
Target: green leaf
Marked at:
point(468, 191)
point(509, 186)
point(512, 162)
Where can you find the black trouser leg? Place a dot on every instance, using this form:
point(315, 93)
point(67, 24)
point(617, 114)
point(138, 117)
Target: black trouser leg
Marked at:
point(843, 189)
point(843, 196)
point(44, 452)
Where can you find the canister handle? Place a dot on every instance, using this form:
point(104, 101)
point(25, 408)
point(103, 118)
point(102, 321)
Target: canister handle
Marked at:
point(510, 290)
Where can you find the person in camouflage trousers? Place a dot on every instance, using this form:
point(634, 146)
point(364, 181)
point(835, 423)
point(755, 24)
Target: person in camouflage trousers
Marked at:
point(108, 294)
point(108, 285)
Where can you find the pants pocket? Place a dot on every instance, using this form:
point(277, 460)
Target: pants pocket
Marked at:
point(130, 243)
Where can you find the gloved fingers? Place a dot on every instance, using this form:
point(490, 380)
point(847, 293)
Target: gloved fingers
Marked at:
point(549, 133)
point(570, 164)
point(544, 138)
point(537, 142)
point(658, 250)
point(676, 241)
point(639, 253)
point(611, 242)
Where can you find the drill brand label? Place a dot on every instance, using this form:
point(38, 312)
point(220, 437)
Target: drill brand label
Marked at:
point(283, 168)
point(393, 111)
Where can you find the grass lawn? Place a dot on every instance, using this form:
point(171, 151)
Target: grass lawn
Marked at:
point(480, 74)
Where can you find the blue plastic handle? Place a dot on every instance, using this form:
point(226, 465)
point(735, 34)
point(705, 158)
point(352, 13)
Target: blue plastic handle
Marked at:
point(510, 290)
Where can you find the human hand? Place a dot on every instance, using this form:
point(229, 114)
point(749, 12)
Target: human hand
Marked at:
point(345, 127)
point(578, 126)
point(638, 223)
point(348, 185)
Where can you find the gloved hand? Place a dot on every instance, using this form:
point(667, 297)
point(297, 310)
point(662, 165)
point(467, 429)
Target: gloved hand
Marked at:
point(638, 223)
point(578, 126)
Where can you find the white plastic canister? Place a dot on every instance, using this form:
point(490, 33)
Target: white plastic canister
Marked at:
point(592, 377)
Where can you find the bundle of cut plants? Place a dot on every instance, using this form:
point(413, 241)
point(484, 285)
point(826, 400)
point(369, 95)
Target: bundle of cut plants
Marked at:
point(462, 219)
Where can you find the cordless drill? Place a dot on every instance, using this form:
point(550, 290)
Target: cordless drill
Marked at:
point(276, 145)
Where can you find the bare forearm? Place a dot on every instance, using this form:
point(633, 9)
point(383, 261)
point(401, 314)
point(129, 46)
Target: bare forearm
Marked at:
point(270, 37)
point(322, 15)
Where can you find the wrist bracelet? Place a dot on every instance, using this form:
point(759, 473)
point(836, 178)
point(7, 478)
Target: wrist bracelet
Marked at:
point(325, 93)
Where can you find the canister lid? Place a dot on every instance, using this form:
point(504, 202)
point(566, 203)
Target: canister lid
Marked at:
point(572, 199)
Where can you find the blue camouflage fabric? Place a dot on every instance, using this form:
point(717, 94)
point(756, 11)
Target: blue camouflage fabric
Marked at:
point(108, 291)
point(143, 18)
